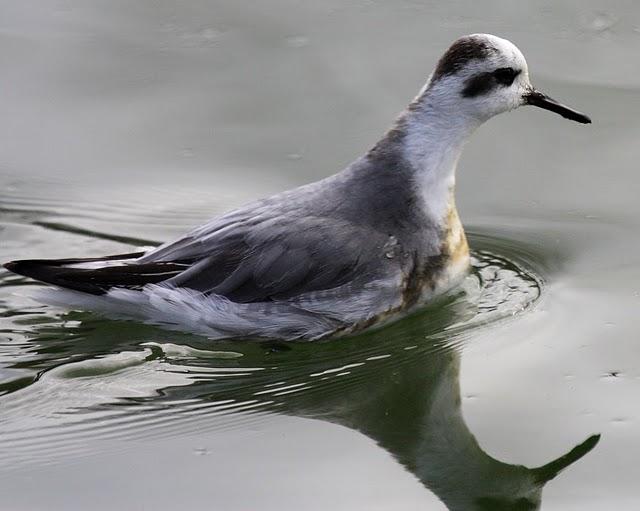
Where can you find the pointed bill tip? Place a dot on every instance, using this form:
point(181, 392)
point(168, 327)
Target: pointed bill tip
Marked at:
point(536, 98)
point(581, 118)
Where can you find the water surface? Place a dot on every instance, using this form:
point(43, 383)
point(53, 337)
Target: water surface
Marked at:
point(124, 125)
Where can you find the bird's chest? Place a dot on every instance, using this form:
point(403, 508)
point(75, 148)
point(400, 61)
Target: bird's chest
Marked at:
point(441, 265)
point(455, 253)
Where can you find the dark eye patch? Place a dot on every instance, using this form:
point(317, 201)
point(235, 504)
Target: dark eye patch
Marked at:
point(505, 75)
point(484, 82)
point(478, 85)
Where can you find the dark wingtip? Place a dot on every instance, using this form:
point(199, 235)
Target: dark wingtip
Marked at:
point(69, 274)
point(12, 266)
point(26, 267)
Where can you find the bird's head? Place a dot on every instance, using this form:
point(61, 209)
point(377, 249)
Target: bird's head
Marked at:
point(482, 75)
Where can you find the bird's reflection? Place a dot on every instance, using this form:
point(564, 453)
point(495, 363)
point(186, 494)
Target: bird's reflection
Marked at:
point(407, 399)
point(399, 386)
point(411, 406)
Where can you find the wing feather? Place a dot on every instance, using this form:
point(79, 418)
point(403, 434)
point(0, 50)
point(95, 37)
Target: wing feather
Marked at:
point(278, 260)
point(246, 259)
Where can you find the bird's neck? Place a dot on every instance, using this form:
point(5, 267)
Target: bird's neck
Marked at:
point(434, 134)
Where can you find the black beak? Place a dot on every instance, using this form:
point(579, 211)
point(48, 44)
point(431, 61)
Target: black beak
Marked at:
point(537, 98)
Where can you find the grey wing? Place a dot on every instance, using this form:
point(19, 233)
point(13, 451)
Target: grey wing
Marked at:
point(278, 259)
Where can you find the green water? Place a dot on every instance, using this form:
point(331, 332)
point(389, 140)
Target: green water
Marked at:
point(123, 124)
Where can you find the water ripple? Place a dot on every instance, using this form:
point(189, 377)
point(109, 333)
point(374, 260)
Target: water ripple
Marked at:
point(73, 378)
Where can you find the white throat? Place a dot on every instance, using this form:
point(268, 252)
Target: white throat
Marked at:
point(435, 135)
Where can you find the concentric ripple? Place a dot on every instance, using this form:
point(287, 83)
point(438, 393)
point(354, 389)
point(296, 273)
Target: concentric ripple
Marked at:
point(73, 381)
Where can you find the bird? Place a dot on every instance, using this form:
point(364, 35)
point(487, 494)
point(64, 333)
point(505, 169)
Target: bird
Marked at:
point(355, 250)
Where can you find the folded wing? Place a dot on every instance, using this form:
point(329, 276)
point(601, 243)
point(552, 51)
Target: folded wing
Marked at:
point(246, 261)
point(280, 259)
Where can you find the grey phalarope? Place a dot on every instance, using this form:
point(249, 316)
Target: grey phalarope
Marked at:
point(353, 250)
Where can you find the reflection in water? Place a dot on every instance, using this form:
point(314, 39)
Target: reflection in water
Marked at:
point(414, 412)
point(410, 404)
point(90, 379)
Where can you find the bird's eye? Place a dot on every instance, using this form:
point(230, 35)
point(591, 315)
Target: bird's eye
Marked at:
point(505, 75)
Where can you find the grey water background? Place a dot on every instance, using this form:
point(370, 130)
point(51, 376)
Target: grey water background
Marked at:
point(123, 124)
